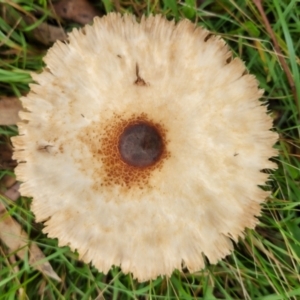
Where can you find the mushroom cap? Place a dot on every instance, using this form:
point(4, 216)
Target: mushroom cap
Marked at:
point(202, 189)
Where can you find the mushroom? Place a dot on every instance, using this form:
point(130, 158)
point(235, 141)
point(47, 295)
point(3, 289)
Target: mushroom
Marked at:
point(142, 145)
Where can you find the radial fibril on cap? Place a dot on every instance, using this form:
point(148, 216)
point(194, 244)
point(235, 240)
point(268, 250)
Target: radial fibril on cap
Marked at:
point(143, 145)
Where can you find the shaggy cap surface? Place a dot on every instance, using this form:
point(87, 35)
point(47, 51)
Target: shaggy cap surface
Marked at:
point(142, 145)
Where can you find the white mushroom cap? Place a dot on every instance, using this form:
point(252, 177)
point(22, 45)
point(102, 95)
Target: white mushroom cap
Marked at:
point(201, 188)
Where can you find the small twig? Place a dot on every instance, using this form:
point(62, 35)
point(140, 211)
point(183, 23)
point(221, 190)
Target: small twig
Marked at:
point(139, 80)
point(280, 56)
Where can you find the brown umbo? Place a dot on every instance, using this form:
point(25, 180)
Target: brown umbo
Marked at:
point(140, 145)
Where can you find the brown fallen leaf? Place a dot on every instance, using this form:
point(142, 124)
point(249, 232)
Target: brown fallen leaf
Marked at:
point(79, 11)
point(9, 108)
point(8, 185)
point(13, 236)
point(44, 33)
point(6, 161)
point(13, 192)
point(6, 182)
point(11, 233)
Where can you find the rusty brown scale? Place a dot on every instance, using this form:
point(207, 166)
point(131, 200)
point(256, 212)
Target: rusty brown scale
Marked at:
point(127, 150)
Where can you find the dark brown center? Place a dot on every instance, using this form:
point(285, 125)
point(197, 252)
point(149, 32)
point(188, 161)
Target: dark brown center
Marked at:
point(140, 145)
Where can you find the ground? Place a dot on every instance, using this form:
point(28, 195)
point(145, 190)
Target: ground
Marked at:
point(265, 265)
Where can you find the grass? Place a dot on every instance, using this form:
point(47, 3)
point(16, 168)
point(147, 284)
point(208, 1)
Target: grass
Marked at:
point(264, 266)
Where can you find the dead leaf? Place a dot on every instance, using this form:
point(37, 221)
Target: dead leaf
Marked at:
point(44, 33)
point(79, 11)
point(9, 108)
point(17, 241)
point(6, 161)
point(13, 236)
point(6, 182)
point(13, 192)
